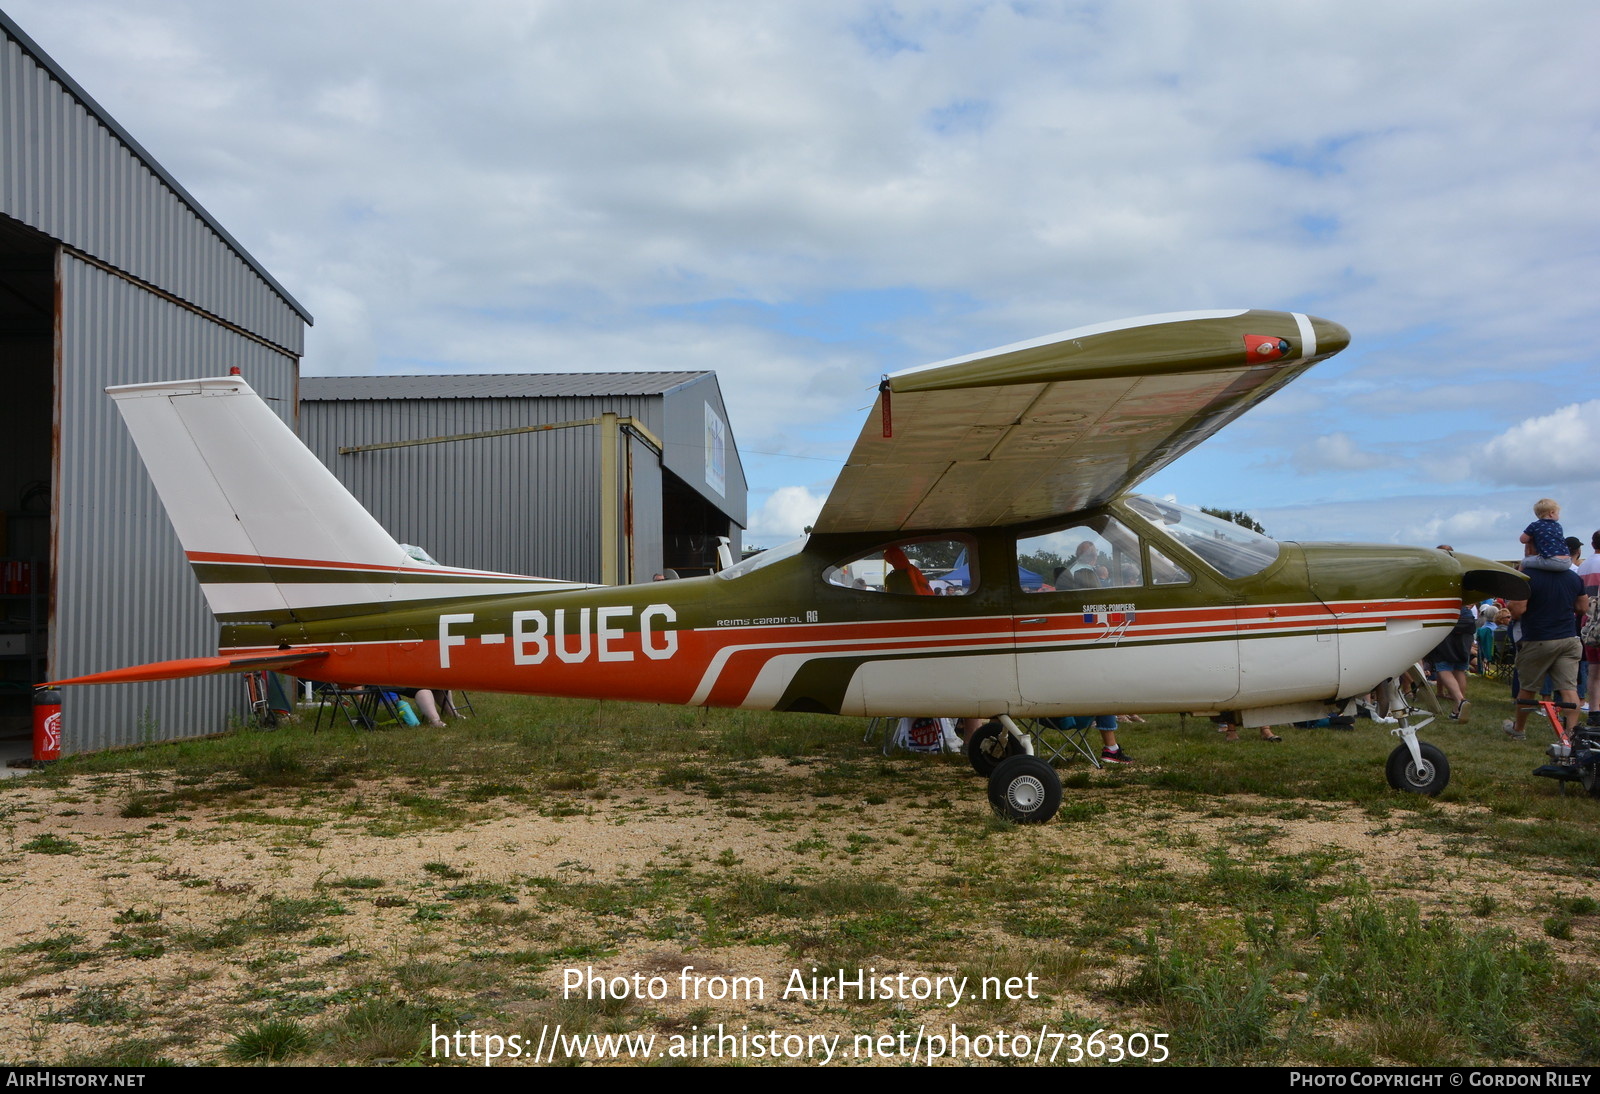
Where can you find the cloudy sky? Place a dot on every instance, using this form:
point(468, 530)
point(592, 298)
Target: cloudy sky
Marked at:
point(803, 196)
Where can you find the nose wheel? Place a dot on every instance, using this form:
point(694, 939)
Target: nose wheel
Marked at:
point(1415, 766)
point(1429, 776)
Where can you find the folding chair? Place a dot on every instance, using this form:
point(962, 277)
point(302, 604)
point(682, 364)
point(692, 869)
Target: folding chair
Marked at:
point(1056, 739)
point(360, 706)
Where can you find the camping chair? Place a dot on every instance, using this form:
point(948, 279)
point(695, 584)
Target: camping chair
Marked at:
point(1055, 739)
point(360, 706)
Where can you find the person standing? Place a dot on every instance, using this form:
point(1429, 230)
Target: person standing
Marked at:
point(1590, 572)
point(1450, 660)
point(1549, 643)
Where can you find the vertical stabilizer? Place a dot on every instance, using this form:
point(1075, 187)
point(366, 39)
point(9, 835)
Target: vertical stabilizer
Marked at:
point(270, 532)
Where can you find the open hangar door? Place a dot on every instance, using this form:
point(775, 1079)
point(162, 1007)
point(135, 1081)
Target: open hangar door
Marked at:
point(27, 331)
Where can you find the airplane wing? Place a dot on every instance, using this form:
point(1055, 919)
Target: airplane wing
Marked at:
point(1062, 423)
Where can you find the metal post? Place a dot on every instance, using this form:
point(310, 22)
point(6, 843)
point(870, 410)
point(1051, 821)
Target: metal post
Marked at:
point(609, 498)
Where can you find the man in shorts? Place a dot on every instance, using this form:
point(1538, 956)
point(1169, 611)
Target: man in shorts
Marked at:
point(1549, 643)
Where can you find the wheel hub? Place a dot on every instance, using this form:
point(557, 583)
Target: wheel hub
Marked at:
point(1025, 793)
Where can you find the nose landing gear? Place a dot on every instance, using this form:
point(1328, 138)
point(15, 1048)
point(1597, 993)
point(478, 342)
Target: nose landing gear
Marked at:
point(1414, 766)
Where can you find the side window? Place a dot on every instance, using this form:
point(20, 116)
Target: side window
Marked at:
point(916, 567)
point(1164, 571)
point(1100, 553)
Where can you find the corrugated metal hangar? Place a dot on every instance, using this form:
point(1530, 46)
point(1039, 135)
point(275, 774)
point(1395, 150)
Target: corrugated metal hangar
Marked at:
point(110, 273)
point(605, 477)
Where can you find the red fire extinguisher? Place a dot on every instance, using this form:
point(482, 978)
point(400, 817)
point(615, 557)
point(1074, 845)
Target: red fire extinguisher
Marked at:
point(46, 725)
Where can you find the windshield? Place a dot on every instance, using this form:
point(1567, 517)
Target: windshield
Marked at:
point(1233, 550)
point(765, 558)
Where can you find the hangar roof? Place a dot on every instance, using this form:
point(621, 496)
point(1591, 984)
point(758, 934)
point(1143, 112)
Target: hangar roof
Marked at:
point(520, 385)
point(9, 28)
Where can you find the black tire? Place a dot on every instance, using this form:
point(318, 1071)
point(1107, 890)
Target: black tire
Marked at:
point(1430, 780)
point(1025, 789)
point(1589, 776)
point(989, 745)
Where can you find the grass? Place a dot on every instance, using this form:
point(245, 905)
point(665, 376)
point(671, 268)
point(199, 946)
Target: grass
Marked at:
point(268, 1042)
point(1221, 892)
point(96, 1007)
point(48, 844)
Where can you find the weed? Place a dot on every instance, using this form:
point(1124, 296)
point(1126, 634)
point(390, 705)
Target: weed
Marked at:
point(59, 950)
point(1559, 927)
point(748, 894)
point(141, 943)
point(276, 1039)
point(281, 766)
point(1581, 1027)
point(136, 1052)
point(286, 915)
point(384, 1029)
point(96, 1007)
point(482, 890)
point(48, 844)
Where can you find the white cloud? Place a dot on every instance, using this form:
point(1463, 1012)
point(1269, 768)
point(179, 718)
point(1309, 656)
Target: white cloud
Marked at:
point(1465, 525)
point(1560, 447)
point(1336, 452)
point(785, 514)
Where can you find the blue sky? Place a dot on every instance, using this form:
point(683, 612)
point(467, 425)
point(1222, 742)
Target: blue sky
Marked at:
point(806, 196)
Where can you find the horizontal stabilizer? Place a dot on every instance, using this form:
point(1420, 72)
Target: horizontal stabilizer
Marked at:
point(195, 666)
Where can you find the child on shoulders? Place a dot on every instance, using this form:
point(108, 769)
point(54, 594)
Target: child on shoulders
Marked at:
point(1545, 540)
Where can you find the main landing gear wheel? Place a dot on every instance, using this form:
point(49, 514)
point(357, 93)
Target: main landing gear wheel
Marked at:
point(989, 745)
point(1025, 789)
point(1430, 779)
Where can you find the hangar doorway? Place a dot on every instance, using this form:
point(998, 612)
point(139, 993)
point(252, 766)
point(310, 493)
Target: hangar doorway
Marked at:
point(27, 357)
point(690, 526)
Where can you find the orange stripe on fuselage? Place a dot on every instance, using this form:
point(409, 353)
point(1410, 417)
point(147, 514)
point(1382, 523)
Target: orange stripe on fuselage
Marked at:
point(737, 655)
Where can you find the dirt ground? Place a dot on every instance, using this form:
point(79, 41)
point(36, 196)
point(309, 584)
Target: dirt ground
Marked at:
point(173, 934)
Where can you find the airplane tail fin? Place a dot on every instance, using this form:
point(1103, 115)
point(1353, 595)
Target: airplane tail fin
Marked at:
point(272, 535)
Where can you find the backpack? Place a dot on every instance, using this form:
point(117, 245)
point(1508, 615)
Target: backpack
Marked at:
point(1591, 630)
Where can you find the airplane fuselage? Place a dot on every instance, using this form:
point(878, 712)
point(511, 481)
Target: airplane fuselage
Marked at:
point(1322, 622)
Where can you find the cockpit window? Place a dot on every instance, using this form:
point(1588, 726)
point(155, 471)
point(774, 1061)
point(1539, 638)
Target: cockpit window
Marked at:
point(1233, 550)
point(926, 567)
